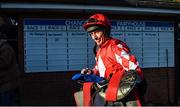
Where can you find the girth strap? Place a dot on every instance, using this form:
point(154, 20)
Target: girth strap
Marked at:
point(87, 88)
point(111, 92)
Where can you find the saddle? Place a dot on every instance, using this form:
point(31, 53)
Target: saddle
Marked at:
point(105, 88)
point(126, 84)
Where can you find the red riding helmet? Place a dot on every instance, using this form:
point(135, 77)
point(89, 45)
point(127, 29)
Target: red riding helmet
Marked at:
point(97, 20)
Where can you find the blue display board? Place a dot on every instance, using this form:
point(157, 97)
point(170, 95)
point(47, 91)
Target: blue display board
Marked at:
point(63, 45)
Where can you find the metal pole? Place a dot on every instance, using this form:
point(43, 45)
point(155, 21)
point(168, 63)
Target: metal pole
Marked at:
point(167, 73)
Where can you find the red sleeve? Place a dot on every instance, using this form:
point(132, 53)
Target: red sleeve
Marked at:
point(124, 57)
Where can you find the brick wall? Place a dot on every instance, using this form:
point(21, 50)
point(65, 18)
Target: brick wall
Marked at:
point(161, 86)
point(58, 88)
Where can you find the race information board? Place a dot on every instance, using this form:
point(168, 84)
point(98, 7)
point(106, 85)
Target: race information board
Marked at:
point(63, 45)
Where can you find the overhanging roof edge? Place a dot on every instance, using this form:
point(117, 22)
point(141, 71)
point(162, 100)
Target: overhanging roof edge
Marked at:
point(86, 7)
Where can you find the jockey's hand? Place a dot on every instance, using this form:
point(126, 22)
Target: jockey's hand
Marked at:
point(86, 71)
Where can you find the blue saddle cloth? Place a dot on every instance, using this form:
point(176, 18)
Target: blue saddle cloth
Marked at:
point(87, 78)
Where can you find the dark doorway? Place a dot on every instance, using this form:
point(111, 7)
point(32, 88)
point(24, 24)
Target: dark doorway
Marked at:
point(178, 63)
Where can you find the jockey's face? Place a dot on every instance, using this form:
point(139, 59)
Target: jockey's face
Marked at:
point(98, 36)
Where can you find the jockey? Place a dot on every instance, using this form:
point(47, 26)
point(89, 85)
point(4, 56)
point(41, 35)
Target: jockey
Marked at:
point(113, 60)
